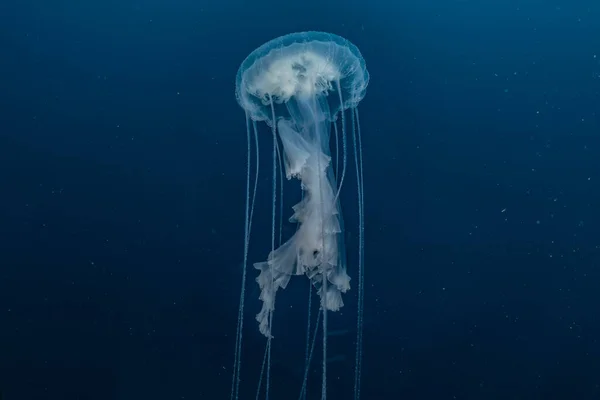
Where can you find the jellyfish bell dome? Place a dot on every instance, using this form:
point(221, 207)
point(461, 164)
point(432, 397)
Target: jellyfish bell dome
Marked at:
point(304, 66)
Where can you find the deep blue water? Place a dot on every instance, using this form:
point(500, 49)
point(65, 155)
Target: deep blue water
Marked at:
point(122, 184)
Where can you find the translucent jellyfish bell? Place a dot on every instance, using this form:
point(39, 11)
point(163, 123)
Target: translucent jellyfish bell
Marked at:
point(301, 66)
point(299, 84)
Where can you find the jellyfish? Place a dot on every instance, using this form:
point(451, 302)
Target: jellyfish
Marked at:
point(303, 86)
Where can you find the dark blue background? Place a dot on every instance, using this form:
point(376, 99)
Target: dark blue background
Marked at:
point(122, 182)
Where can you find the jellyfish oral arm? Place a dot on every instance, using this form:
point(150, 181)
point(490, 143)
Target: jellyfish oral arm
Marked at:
point(314, 250)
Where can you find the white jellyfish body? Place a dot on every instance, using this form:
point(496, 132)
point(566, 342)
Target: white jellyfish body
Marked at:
point(299, 84)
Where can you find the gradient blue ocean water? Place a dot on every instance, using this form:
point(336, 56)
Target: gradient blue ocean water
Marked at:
point(122, 184)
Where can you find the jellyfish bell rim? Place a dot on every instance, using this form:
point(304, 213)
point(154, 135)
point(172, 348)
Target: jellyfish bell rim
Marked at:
point(337, 59)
